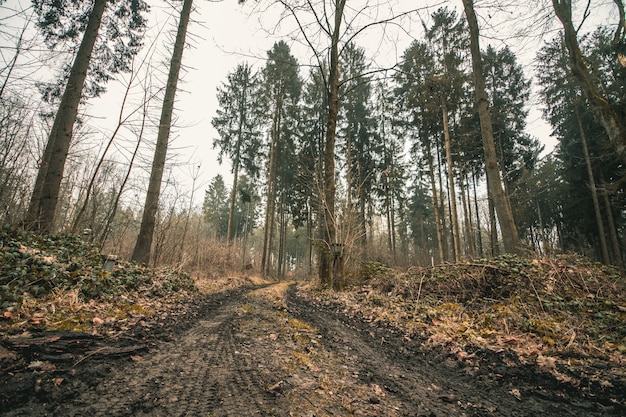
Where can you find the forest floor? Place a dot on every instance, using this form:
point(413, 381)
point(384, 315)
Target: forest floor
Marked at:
point(508, 336)
point(276, 349)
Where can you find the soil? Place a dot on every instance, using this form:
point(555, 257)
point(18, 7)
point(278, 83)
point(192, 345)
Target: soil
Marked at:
point(268, 351)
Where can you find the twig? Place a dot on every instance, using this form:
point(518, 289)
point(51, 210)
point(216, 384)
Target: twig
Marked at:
point(91, 354)
point(571, 340)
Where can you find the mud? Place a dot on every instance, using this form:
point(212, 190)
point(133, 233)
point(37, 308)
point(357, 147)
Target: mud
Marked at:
point(269, 352)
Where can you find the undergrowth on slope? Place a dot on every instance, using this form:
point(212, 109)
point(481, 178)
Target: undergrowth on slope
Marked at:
point(58, 281)
point(565, 314)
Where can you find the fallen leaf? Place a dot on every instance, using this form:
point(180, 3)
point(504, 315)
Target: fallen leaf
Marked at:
point(273, 336)
point(546, 361)
point(57, 381)
point(97, 321)
point(516, 393)
point(606, 384)
point(136, 358)
point(378, 390)
point(277, 387)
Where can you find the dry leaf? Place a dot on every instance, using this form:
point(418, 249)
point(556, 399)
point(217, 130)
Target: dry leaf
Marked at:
point(97, 321)
point(57, 381)
point(516, 393)
point(273, 336)
point(136, 358)
point(546, 361)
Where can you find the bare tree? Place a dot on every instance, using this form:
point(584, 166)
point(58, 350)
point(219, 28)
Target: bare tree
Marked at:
point(510, 236)
point(141, 253)
point(607, 112)
point(329, 26)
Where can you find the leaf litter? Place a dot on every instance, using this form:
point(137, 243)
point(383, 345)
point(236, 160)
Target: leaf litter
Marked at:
point(565, 315)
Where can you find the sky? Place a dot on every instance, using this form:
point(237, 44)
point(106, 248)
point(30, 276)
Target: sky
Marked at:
point(224, 33)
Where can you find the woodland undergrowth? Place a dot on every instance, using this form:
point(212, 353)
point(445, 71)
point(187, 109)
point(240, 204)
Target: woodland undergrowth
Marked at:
point(565, 314)
point(58, 282)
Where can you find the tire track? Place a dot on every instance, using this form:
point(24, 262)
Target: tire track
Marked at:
point(425, 383)
point(199, 373)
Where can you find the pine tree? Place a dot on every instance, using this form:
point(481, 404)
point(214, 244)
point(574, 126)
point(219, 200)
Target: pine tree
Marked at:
point(99, 56)
point(143, 246)
point(282, 88)
point(215, 208)
point(238, 121)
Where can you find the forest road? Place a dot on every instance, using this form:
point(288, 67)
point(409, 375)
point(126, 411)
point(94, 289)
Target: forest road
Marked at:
point(268, 351)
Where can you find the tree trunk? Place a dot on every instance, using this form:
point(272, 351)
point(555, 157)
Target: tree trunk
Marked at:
point(479, 232)
point(270, 205)
point(617, 251)
point(438, 224)
point(594, 192)
point(454, 218)
point(467, 214)
point(45, 196)
point(141, 252)
point(614, 126)
point(331, 257)
point(510, 237)
point(233, 198)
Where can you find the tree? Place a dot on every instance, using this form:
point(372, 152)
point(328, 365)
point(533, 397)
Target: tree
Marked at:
point(446, 83)
point(238, 122)
point(357, 131)
point(141, 252)
point(510, 236)
point(215, 208)
point(508, 91)
point(282, 88)
point(60, 24)
point(590, 171)
point(421, 121)
point(610, 113)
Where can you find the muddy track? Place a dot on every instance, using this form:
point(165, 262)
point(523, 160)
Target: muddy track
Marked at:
point(268, 352)
point(431, 383)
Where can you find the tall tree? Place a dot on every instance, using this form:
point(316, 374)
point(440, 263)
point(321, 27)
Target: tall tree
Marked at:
point(584, 152)
point(356, 130)
point(448, 41)
point(282, 88)
point(238, 122)
point(215, 206)
point(509, 91)
point(510, 236)
point(610, 113)
point(422, 121)
point(143, 246)
point(61, 23)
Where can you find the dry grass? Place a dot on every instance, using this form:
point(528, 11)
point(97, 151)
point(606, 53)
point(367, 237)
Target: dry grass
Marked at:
point(565, 311)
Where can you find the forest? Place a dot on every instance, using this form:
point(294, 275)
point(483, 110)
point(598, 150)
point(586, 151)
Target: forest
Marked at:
point(329, 158)
point(312, 207)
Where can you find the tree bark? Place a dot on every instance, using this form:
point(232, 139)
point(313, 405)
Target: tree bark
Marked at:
point(614, 126)
point(141, 252)
point(438, 224)
point(594, 192)
point(45, 196)
point(454, 218)
point(510, 236)
point(331, 257)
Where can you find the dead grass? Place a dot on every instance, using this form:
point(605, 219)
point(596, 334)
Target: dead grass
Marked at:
point(565, 313)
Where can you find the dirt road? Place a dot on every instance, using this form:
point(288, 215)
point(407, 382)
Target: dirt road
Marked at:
point(267, 351)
